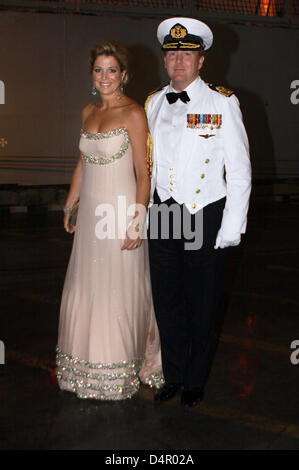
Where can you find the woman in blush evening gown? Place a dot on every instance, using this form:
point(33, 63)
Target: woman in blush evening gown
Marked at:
point(108, 339)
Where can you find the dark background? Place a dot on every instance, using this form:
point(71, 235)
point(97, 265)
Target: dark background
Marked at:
point(44, 67)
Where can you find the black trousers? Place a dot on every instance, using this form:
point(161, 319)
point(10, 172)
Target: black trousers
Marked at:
point(185, 286)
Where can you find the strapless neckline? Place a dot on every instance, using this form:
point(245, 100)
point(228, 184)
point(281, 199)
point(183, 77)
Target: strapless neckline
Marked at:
point(100, 148)
point(99, 135)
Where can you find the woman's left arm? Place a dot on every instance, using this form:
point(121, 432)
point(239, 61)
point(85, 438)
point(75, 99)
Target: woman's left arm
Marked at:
point(138, 130)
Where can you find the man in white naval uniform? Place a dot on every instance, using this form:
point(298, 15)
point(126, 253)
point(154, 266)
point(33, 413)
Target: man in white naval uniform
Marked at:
point(201, 165)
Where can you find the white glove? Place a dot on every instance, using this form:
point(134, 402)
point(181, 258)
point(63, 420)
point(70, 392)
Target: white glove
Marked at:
point(221, 243)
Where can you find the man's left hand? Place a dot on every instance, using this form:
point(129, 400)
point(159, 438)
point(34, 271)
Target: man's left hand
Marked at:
point(222, 243)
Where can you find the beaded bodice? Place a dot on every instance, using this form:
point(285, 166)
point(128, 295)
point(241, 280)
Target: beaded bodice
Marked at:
point(103, 148)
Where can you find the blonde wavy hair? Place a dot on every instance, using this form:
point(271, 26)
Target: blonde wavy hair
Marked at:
point(111, 48)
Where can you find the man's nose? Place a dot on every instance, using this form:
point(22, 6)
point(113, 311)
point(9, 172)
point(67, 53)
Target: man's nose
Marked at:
point(179, 56)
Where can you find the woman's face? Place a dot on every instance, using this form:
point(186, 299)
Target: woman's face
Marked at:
point(106, 74)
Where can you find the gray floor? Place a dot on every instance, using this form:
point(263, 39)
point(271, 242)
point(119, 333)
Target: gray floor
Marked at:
point(251, 399)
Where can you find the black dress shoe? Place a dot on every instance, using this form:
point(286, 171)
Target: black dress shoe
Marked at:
point(167, 392)
point(191, 398)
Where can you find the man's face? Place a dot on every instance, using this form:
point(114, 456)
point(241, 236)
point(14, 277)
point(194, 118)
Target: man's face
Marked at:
point(182, 67)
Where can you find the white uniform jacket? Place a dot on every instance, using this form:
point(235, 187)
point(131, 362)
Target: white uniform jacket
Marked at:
point(211, 159)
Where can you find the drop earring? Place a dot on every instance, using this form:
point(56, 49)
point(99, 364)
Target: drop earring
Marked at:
point(121, 88)
point(93, 90)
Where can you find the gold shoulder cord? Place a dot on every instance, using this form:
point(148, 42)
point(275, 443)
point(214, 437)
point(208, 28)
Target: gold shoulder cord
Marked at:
point(149, 154)
point(149, 144)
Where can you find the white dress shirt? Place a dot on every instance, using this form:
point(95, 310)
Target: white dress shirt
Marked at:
point(169, 136)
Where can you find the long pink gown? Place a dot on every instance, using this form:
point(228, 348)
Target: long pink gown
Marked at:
point(108, 338)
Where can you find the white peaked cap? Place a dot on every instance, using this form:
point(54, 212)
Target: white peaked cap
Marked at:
point(184, 33)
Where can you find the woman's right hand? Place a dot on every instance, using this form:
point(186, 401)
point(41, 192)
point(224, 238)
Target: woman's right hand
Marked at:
point(66, 221)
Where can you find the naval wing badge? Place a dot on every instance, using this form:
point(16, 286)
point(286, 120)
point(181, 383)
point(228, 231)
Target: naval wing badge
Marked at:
point(206, 136)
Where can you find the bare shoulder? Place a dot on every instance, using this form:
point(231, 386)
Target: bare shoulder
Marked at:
point(135, 113)
point(86, 111)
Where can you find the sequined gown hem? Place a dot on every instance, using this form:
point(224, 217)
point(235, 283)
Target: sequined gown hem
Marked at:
point(111, 381)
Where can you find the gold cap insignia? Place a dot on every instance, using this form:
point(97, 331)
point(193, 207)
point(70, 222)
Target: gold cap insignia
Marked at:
point(178, 31)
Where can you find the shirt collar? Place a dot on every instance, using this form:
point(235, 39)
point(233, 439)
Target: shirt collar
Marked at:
point(190, 88)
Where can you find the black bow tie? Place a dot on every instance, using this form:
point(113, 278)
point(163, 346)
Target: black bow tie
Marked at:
point(173, 97)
